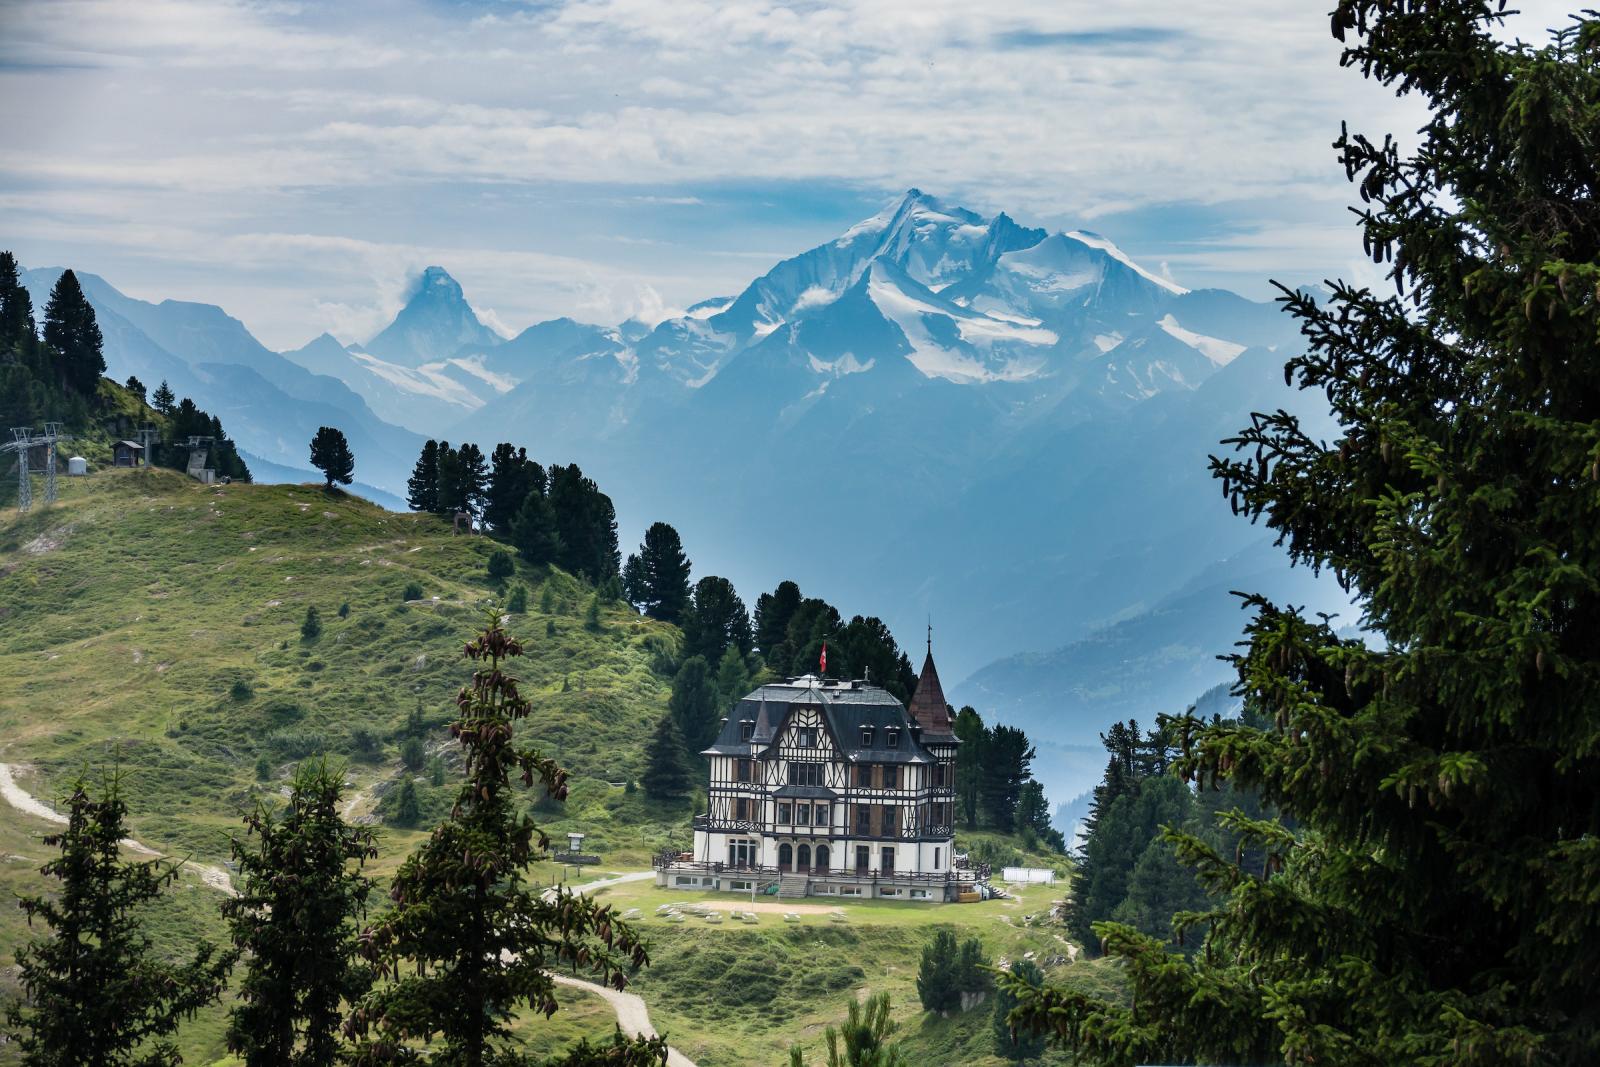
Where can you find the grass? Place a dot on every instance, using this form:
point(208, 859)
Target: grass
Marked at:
point(152, 622)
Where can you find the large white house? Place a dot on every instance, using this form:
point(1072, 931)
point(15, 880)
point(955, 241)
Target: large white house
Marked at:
point(830, 788)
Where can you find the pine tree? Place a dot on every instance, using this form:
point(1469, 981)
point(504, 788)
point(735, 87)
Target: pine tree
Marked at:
point(136, 387)
point(666, 771)
point(1433, 899)
point(533, 531)
point(500, 565)
point(660, 579)
point(470, 938)
point(472, 479)
point(70, 329)
point(98, 995)
point(972, 734)
point(1007, 757)
point(591, 617)
point(733, 678)
point(863, 1039)
point(162, 399)
point(422, 488)
point(936, 978)
point(716, 621)
point(586, 524)
point(1033, 810)
point(301, 895)
point(16, 306)
point(1021, 1043)
point(693, 704)
point(311, 625)
point(412, 754)
point(512, 476)
point(407, 808)
point(773, 612)
point(517, 602)
point(330, 454)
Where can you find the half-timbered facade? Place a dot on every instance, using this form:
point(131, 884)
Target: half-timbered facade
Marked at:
point(830, 788)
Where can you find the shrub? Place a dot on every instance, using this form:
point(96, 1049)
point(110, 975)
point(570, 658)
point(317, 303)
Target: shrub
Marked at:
point(344, 610)
point(412, 754)
point(547, 599)
point(591, 618)
point(549, 627)
point(240, 690)
point(365, 745)
point(501, 565)
point(311, 628)
point(263, 768)
point(436, 771)
point(297, 743)
point(517, 602)
point(412, 591)
point(407, 809)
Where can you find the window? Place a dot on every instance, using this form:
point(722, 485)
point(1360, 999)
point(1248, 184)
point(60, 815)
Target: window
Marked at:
point(891, 776)
point(889, 818)
point(747, 730)
point(805, 774)
point(863, 819)
point(802, 814)
point(805, 736)
point(866, 737)
point(891, 738)
point(936, 857)
point(739, 886)
point(746, 770)
point(936, 776)
point(819, 816)
point(741, 809)
point(783, 811)
point(863, 775)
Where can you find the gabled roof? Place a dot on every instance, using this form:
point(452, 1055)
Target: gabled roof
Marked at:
point(846, 708)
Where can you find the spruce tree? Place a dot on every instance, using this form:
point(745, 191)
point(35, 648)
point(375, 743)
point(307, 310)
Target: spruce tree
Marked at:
point(533, 531)
point(470, 939)
point(773, 612)
point(330, 454)
point(162, 399)
point(666, 770)
point(660, 580)
point(422, 488)
point(16, 306)
point(693, 704)
point(472, 479)
point(936, 977)
point(70, 329)
point(1433, 899)
point(716, 621)
point(586, 523)
point(97, 994)
point(972, 734)
point(512, 476)
point(301, 895)
point(1010, 1041)
point(733, 678)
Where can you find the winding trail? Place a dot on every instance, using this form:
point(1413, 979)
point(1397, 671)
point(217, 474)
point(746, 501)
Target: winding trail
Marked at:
point(632, 1015)
point(28, 804)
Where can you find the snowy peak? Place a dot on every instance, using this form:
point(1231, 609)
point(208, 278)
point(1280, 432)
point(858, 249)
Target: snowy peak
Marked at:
point(434, 324)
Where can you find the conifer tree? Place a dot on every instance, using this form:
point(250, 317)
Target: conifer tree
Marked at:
point(716, 621)
point(472, 479)
point(666, 771)
point(773, 612)
point(162, 399)
point(533, 531)
point(693, 704)
point(136, 387)
point(98, 996)
point(586, 523)
point(971, 732)
point(659, 582)
point(422, 488)
point(512, 476)
point(936, 979)
point(407, 808)
point(1011, 1042)
point(863, 1039)
point(733, 678)
point(16, 306)
point(330, 454)
point(470, 938)
point(301, 894)
point(1433, 899)
point(70, 329)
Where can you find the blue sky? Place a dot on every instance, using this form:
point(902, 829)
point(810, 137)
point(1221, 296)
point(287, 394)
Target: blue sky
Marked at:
point(297, 163)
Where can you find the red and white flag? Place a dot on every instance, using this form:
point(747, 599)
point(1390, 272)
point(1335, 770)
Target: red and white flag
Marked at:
point(824, 657)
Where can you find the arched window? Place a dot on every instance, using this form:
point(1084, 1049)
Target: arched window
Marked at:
point(804, 858)
point(822, 857)
point(785, 857)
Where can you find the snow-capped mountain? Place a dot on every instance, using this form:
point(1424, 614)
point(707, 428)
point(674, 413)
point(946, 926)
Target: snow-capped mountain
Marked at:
point(435, 321)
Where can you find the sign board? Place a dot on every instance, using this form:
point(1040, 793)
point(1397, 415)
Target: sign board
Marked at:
point(1040, 875)
point(576, 859)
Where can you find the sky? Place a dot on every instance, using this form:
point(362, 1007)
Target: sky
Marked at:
point(299, 163)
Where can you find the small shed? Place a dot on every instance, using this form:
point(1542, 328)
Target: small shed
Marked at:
point(77, 466)
point(129, 454)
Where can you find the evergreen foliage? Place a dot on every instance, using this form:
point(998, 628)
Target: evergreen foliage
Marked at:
point(733, 678)
point(422, 488)
point(330, 454)
point(70, 329)
point(301, 896)
point(666, 772)
point(512, 477)
point(97, 994)
point(163, 399)
point(586, 524)
point(1007, 759)
point(533, 531)
point(716, 621)
point(936, 987)
point(517, 602)
point(311, 625)
point(656, 579)
point(407, 807)
point(1021, 1043)
point(134, 386)
point(1429, 895)
point(412, 754)
point(863, 1039)
point(500, 565)
point(470, 939)
point(591, 617)
point(970, 731)
point(694, 704)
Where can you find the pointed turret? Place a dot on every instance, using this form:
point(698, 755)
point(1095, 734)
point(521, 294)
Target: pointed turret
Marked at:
point(928, 707)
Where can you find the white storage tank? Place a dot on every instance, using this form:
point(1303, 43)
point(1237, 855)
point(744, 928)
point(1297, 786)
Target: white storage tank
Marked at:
point(77, 466)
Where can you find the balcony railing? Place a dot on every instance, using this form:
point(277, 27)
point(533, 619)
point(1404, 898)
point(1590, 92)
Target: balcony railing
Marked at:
point(671, 861)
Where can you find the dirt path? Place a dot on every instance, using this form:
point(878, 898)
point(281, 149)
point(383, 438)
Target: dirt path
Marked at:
point(25, 802)
point(632, 1016)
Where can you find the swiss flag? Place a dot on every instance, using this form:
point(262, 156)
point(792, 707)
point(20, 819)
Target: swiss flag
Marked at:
point(824, 657)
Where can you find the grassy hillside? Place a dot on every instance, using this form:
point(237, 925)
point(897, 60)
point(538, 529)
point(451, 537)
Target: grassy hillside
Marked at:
point(155, 623)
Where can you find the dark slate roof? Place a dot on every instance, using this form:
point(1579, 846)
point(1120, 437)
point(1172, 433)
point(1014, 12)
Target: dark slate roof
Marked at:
point(847, 706)
point(806, 792)
point(928, 705)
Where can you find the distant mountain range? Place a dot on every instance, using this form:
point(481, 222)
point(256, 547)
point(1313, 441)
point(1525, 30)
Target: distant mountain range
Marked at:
point(937, 414)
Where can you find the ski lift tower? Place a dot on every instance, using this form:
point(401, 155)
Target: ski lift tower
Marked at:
point(147, 440)
point(21, 443)
point(52, 434)
point(200, 459)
